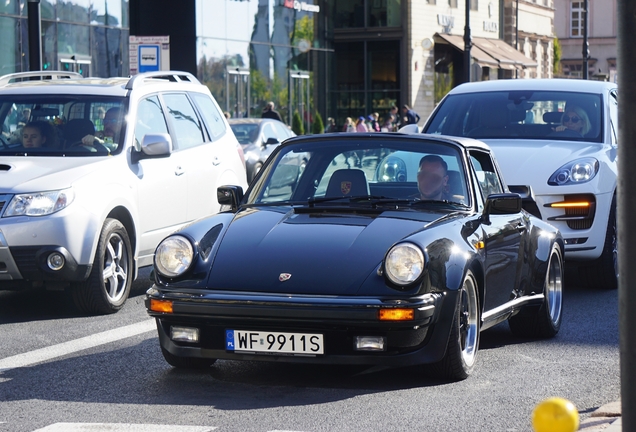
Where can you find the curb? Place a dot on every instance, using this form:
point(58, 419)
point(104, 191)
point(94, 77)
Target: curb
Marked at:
point(606, 418)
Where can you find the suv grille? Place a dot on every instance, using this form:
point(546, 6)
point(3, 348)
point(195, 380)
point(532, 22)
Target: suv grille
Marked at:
point(578, 217)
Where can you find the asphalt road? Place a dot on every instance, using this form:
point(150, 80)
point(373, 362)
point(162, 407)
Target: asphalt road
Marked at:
point(65, 372)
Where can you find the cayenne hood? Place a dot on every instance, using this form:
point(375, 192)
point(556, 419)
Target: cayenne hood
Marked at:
point(326, 253)
point(524, 162)
point(21, 174)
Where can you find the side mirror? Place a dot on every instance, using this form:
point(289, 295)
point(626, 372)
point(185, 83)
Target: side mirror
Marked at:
point(504, 203)
point(153, 146)
point(271, 141)
point(410, 129)
point(229, 196)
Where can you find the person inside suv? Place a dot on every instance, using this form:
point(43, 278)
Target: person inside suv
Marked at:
point(38, 134)
point(109, 136)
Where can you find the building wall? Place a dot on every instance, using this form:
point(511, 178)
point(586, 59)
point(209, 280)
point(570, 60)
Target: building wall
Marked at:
point(602, 33)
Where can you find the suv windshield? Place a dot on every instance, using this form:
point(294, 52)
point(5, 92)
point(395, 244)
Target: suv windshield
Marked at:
point(539, 115)
point(52, 125)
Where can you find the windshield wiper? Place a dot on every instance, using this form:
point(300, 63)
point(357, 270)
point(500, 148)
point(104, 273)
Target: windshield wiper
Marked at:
point(364, 199)
point(441, 203)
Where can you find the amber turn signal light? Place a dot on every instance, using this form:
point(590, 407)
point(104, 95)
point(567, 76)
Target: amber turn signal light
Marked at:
point(396, 314)
point(164, 306)
point(570, 204)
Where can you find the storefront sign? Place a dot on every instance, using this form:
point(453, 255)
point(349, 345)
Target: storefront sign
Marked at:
point(491, 26)
point(447, 21)
point(301, 6)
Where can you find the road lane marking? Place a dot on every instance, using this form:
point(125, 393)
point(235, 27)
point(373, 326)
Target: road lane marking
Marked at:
point(65, 348)
point(121, 427)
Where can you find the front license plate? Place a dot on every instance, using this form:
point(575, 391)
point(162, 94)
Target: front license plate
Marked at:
point(273, 343)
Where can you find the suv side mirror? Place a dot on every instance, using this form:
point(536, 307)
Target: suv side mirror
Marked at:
point(271, 141)
point(503, 203)
point(153, 146)
point(229, 196)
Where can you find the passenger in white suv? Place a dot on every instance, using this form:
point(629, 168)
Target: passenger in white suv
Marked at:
point(84, 215)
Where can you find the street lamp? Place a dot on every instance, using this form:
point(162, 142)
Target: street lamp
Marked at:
point(586, 45)
point(467, 42)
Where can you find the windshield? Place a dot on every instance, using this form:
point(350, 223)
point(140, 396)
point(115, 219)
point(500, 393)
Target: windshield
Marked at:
point(245, 133)
point(61, 125)
point(371, 171)
point(521, 115)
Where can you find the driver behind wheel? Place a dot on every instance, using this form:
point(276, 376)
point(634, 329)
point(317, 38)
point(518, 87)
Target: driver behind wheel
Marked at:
point(110, 134)
point(574, 119)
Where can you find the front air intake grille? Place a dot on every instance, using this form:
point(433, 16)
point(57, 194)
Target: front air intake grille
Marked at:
point(575, 215)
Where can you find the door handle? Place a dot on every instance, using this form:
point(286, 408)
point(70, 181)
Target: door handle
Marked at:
point(178, 171)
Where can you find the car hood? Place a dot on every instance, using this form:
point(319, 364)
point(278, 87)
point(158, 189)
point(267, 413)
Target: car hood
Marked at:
point(20, 174)
point(326, 253)
point(532, 162)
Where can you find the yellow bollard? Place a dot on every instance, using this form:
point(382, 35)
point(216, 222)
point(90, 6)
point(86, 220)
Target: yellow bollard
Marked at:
point(555, 415)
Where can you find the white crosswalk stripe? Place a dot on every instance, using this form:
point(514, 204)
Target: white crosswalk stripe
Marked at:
point(121, 427)
point(59, 350)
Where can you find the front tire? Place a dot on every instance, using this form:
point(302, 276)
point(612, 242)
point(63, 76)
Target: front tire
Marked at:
point(463, 343)
point(108, 285)
point(545, 322)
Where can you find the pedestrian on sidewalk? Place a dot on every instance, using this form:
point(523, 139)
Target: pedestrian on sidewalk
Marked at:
point(270, 112)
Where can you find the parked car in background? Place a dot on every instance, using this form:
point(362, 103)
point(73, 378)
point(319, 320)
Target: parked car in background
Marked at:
point(83, 208)
point(360, 265)
point(258, 137)
point(556, 142)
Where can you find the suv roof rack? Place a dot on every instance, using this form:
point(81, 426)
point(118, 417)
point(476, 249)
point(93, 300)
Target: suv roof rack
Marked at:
point(25, 76)
point(174, 76)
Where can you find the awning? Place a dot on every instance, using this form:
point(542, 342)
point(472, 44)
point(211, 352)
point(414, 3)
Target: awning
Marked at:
point(477, 54)
point(491, 52)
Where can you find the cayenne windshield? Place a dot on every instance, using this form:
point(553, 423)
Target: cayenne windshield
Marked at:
point(61, 125)
point(539, 115)
point(370, 172)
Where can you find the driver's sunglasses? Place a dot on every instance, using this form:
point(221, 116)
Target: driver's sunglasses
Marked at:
point(568, 118)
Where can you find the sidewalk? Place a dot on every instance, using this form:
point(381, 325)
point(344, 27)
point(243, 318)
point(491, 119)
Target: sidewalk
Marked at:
point(606, 419)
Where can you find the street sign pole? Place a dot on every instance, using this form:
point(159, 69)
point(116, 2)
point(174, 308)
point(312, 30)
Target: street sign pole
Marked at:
point(626, 209)
point(586, 45)
point(467, 42)
point(35, 35)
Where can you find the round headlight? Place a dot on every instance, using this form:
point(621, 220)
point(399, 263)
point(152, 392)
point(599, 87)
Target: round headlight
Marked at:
point(393, 169)
point(174, 256)
point(404, 264)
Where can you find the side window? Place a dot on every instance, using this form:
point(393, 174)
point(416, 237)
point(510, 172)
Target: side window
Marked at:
point(212, 117)
point(487, 176)
point(281, 131)
point(185, 121)
point(150, 119)
point(268, 131)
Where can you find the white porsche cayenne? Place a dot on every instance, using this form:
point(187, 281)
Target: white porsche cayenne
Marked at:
point(556, 143)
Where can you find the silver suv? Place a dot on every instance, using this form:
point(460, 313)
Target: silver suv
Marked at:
point(95, 172)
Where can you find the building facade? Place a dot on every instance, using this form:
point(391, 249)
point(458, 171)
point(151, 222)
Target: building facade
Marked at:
point(86, 36)
point(602, 31)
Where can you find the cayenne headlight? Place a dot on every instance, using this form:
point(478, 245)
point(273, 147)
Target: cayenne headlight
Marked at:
point(393, 169)
point(174, 256)
point(575, 172)
point(39, 203)
point(404, 264)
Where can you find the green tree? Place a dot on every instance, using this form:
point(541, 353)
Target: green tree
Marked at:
point(556, 56)
point(317, 127)
point(297, 124)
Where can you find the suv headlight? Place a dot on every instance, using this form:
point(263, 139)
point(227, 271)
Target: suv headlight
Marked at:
point(404, 264)
point(393, 169)
point(39, 203)
point(575, 172)
point(174, 256)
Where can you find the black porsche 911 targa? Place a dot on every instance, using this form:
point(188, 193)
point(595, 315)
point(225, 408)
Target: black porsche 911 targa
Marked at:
point(380, 249)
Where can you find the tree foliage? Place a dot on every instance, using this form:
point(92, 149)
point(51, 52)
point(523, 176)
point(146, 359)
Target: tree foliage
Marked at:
point(317, 127)
point(556, 57)
point(297, 124)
